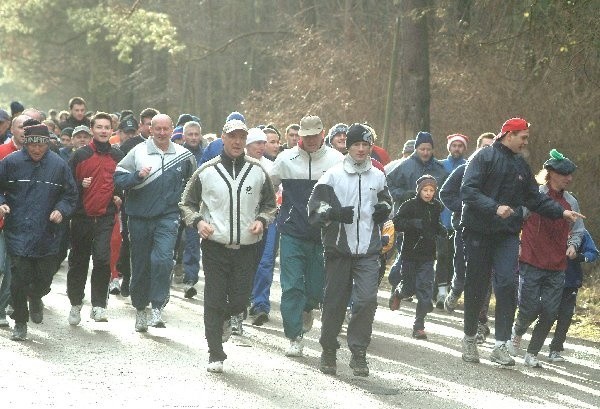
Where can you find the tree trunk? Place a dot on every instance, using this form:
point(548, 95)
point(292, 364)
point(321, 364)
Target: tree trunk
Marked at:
point(414, 69)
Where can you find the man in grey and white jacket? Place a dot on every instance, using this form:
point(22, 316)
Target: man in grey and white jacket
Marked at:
point(230, 200)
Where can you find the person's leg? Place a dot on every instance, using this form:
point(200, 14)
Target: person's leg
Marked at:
point(264, 273)
point(293, 262)
point(79, 258)
point(408, 279)
point(566, 310)
point(314, 276)
point(124, 262)
point(141, 234)
point(43, 270)
point(530, 284)
point(477, 277)
point(101, 256)
point(424, 291)
point(459, 264)
point(551, 292)
point(22, 278)
point(115, 247)
point(5, 277)
point(394, 275)
point(338, 286)
point(443, 267)
point(365, 274)
point(191, 255)
point(161, 259)
point(239, 282)
point(505, 261)
point(216, 266)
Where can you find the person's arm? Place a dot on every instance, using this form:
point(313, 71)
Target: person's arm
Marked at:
point(191, 200)
point(472, 186)
point(126, 175)
point(405, 221)
point(267, 207)
point(450, 190)
point(68, 199)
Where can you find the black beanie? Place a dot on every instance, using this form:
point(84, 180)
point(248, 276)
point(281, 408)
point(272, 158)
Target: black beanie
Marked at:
point(36, 134)
point(559, 163)
point(16, 107)
point(423, 137)
point(358, 133)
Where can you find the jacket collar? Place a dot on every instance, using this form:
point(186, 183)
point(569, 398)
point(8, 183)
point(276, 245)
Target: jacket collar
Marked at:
point(351, 166)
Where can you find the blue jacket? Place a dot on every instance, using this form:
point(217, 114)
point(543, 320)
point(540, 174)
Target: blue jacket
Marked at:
point(213, 150)
point(198, 153)
point(402, 180)
point(496, 176)
point(574, 273)
point(449, 164)
point(33, 190)
point(160, 192)
point(450, 194)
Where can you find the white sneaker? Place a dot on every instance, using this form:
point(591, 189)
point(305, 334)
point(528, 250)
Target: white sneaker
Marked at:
point(237, 324)
point(307, 321)
point(514, 344)
point(215, 367)
point(75, 314)
point(532, 361)
point(114, 287)
point(156, 319)
point(141, 321)
point(3, 323)
point(98, 314)
point(555, 356)
point(296, 348)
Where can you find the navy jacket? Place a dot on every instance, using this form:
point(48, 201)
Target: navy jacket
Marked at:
point(574, 273)
point(450, 194)
point(496, 176)
point(33, 190)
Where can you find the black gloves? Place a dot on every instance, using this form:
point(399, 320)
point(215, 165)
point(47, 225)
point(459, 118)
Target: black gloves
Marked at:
point(343, 215)
point(580, 258)
point(381, 213)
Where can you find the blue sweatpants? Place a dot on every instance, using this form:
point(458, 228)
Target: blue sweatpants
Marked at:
point(191, 255)
point(152, 243)
point(263, 278)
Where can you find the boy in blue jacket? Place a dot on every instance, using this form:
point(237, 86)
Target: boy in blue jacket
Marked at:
point(587, 253)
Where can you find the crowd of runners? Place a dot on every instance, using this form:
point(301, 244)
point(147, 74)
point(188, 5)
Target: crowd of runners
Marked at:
point(150, 199)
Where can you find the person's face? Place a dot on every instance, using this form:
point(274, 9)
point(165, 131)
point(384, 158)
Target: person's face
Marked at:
point(516, 141)
point(124, 135)
point(272, 145)
point(292, 138)
point(312, 143)
point(234, 143)
point(192, 136)
point(424, 151)
point(4, 125)
point(559, 182)
point(427, 193)
point(80, 139)
point(486, 142)
point(65, 140)
point(339, 142)
point(78, 111)
point(63, 117)
point(114, 122)
point(179, 141)
point(17, 129)
point(359, 151)
point(102, 130)
point(144, 127)
point(37, 150)
point(256, 149)
point(457, 149)
point(162, 129)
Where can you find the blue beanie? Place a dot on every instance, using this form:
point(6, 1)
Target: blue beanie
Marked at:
point(423, 137)
point(183, 119)
point(235, 115)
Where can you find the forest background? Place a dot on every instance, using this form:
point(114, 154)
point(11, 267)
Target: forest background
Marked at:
point(445, 66)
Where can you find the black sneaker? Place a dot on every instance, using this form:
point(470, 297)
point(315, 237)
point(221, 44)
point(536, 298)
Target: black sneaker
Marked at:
point(189, 291)
point(328, 364)
point(36, 310)
point(394, 301)
point(260, 318)
point(358, 363)
point(419, 334)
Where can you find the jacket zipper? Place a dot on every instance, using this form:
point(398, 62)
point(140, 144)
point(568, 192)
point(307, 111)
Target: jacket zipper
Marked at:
point(358, 217)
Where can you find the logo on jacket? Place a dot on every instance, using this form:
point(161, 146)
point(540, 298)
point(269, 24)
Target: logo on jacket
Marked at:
point(179, 169)
point(249, 190)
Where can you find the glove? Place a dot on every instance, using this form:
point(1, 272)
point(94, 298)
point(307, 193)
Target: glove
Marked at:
point(381, 213)
point(343, 215)
point(580, 258)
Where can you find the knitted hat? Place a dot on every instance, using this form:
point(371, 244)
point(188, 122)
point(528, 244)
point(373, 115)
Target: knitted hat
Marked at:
point(255, 135)
point(67, 131)
point(559, 163)
point(514, 125)
point(16, 107)
point(336, 129)
point(426, 180)
point(409, 146)
point(457, 137)
point(36, 134)
point(423, 137)
point(235, 115)
point(358, 133)
point(183, 118)
point(177, 133)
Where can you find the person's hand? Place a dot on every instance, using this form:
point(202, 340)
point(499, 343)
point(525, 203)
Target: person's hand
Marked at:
point(572, 216)
point(117, 201)
point(145, 171)
point(504, 211)
point(205, 230)
point(86, 182)
point(56, 217)
point(381, 213)
point(571, 252)
point(342, 214)
point(256, 227)
point(4, 210)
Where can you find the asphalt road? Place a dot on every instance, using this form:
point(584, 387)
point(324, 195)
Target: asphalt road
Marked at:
point(110, 365)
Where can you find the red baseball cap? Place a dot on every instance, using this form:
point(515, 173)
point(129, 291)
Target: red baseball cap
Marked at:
point(514, 125)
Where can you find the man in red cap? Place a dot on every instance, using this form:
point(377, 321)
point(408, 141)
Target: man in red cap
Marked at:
point(497, 185)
